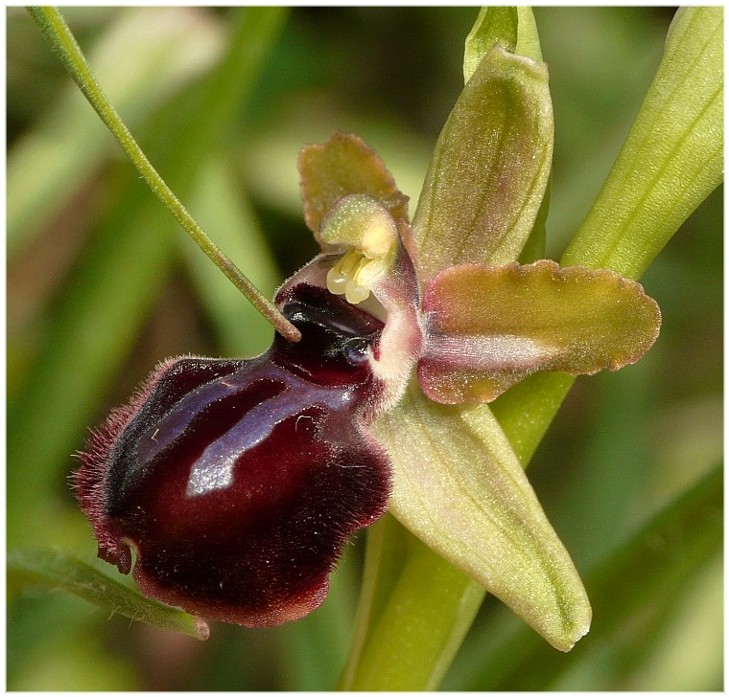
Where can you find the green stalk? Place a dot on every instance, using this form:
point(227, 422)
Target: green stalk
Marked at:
point(59, 36)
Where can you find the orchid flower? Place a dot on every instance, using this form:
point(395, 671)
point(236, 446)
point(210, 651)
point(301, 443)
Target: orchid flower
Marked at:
point(238, 482)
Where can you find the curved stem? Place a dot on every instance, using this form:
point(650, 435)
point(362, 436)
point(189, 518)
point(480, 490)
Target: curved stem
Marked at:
point(59, 36)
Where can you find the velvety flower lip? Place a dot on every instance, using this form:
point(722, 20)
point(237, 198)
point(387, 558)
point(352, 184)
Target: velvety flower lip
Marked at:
point(237, 482)
point(89, 482)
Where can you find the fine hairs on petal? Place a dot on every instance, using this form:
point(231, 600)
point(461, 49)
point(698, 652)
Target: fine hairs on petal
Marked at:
point(88, 481)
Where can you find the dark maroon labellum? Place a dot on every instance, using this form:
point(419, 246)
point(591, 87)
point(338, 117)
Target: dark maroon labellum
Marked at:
point(237, 482)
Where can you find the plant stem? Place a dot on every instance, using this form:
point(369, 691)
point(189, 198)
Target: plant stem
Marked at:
point(59, 36)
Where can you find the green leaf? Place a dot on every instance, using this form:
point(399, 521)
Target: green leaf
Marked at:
point(465, 495)
point(672, 159)
point(28, 568)
point(489, 172)
point(489, 327)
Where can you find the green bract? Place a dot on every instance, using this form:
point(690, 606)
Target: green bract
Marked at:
point(673, 157)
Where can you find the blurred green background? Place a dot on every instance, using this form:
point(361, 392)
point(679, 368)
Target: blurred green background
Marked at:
point(102, 285)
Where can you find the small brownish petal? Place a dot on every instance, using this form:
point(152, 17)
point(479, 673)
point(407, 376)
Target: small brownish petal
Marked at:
point(346, 165)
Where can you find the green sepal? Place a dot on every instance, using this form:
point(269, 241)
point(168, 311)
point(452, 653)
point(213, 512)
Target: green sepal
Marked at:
point(490, 168)
point(465, 494)
point(512, 27)
point(493, 25)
